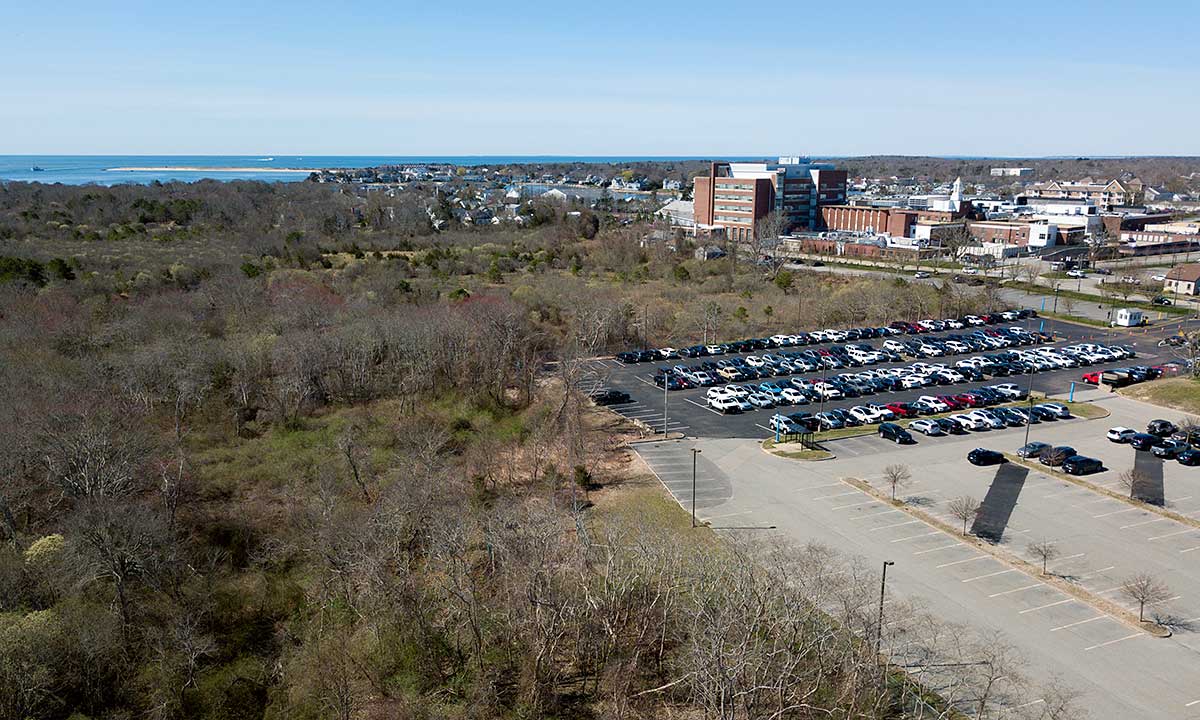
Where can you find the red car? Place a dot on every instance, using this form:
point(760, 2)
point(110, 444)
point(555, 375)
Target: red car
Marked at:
point(1092, 377)
point(953, 402)
point(969, 400)
point(901, 409)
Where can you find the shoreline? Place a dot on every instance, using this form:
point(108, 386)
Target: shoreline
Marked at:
point(213, 169)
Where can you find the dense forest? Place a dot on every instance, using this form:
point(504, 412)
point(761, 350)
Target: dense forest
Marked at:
point(274, 453)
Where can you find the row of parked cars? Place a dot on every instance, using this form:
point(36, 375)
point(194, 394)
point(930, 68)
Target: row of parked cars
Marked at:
point(1061, 456)
point(1164, 439)
point(708, 373)
point(829, 335)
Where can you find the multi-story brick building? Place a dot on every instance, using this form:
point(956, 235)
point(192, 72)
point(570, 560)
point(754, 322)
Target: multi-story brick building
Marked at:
point(735, 196)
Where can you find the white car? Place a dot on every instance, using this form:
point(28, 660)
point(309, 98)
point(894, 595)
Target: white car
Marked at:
point(755, 361)
point(970, 271)
point(667, 352)
point(793, 396)
point(864, 414)
point(783, 424)
point(987, 419)
point(725, 404)
point(934, 403)
point(969, 423)
point(954, 324)
point(714, 349)
point(737, 391)
point(894, 346)
point(952, 375)
point(926, 427)
point(1058, 409)
point(884, 413)
point(1158, 278)
point(1120, 434)
point(718, 392)
point(1076, 274)
point(761, 400)
point(911, 382)
point(827, 391)
point(1009, 390)
point(974, 320)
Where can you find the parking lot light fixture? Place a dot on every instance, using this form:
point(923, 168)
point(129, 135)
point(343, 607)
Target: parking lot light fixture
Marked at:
point(882, 593)
point(695, 452)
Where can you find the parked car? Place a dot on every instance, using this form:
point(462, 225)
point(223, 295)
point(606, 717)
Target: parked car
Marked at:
point(725, 404)
point(950, 427)
point(1032, 450)
point(1144, 441)
point(784, 424)
point(927, 427)
point(1055, 456)
point(1080, 465)
point(1120, 434)
point(609, 397)
point(1169, 449)
point(1161, 428)
point(892, 431)
point(1060, 411)
point(983, 456)
point(1189, 457)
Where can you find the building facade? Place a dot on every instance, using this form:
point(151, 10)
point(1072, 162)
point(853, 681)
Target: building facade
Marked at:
point(1107, 195)
point(1182, 279)
point(735, 196)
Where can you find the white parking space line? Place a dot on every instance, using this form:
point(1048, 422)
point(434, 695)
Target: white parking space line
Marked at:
point(1194, 702)
point(1016, 590)
point(1177, 532)
point(1191, 549)
point(1117, 512)
point(914, 537)
point(885, 527)
point(1110, 642)
point(826, 497)
point(960, 562)
point(844, 507)
point(1031, 702)
point(1048, 605)
point(814, 487)
point(998, 572)
point(1096, 572)
point(943, 547)
point(727, 515)
point(1072, 557)
point(1078, 622)
point(1144, 522)
point(865, 517)
point(703, 407)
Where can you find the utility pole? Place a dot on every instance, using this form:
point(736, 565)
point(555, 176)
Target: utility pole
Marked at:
point(695, 452)
point(882, 593)
point(666, 388)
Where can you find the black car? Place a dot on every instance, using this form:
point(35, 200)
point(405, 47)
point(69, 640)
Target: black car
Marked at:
point(1161, 300)
point(983, 456)
point(892, 431)
point(1032, 450)
point(1080, 465)
point(672, 382)
point(847, 419)
point(609, 397)
point(1144, 441)
point(950, 427)
point(1161, 428)
point(1042, 413)
point(1189, 457)
point(1055, 456)
point(629, 357)
point(1169, 448)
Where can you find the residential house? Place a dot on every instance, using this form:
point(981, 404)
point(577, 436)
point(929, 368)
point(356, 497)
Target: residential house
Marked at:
point(1183, 279)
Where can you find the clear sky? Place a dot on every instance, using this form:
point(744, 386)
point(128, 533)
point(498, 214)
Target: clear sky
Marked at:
point(731, 77)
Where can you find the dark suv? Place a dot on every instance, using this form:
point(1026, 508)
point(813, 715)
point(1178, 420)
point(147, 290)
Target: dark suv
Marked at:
point(1161, 428)
point(892, 431)
point(1056, 456)
point(1080, 465)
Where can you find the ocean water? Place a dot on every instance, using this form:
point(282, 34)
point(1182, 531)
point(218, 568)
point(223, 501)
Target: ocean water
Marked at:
point(99, 169)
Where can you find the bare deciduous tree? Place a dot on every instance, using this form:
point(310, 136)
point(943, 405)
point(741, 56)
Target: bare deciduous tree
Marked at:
point(897, 476)
point(965, 509)
point(1044, 550)
point(1145, 589)
point(1131, 480)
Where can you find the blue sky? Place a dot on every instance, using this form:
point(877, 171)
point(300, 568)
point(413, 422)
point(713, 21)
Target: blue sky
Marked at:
point(617, 78)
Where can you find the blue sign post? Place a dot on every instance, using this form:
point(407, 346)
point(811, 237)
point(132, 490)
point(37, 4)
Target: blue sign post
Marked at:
point(1071, 395)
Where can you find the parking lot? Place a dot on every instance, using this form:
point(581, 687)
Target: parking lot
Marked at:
point(1120, 671)
point(686, 411)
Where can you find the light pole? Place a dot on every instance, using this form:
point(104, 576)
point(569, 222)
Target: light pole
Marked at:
point(666, 387)
point(882, 592)
point(1056, 298)
point(695, 452)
